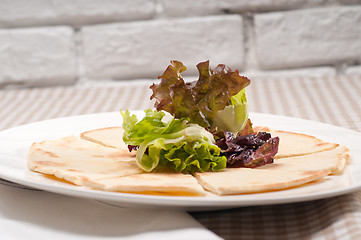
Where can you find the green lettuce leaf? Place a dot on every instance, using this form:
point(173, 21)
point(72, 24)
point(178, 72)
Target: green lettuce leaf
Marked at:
point(216, 101)
point(173, 144)
point(233, 118)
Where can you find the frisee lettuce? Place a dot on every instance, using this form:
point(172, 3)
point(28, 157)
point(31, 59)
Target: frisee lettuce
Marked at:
point(216, 101)
point(171, 144)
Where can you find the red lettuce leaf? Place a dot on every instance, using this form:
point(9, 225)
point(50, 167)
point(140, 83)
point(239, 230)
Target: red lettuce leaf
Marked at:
point(198, 100)
point(252, 150)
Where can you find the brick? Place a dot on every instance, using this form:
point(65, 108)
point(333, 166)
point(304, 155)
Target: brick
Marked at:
point(349, 2)
point(353, 70)
point(144, 49)
point(272, 5)
point(35, 55)
point(291, 73)
point(181, 8)
point(19, 13)
point(309, 37)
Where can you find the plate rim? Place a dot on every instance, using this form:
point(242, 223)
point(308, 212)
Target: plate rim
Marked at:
point(171, 201)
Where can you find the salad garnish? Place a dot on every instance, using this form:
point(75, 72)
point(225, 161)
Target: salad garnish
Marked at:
point(252, 150)
point(207, 126)
point(217, 100)
point(171, 144)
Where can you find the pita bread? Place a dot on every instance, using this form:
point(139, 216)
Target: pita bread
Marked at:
point(110, 137)
point(93, 165)
point(251, 180)
point(333, 160)
point(76, 160)
point(151, 183)
point(291, 144)
point(101, 160)
point(283, 173)
point(297, 144)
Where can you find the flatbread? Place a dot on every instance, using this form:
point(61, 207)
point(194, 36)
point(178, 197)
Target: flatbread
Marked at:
point(297, 144)
point(251, 180)
point(151, 183)
point(99, 159)
point(283, 173)
point(110, 137)
point(333, 160)
point(76, 160)
point(291, 144)
point(93, 165)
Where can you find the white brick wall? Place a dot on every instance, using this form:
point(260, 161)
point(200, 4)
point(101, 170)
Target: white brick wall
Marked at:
point(144, 49)
point(41, 55)
point(308, 38)
point(20, 13)
point(62, 41)
point(181, 8)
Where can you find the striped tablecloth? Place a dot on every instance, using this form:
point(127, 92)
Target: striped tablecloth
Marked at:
point(333, 100)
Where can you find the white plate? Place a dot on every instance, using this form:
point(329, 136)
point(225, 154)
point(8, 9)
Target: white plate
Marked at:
point(15, 142)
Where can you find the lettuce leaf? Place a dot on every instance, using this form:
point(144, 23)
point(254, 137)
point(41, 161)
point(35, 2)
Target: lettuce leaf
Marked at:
point(233, 118)
point(252, 150)
point(216, 101)
point(173, 144)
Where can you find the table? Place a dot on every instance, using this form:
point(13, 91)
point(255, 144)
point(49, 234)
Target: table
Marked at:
point(334, 100)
